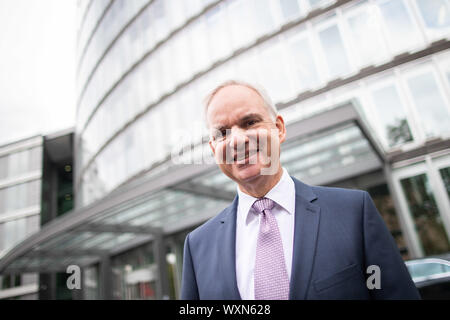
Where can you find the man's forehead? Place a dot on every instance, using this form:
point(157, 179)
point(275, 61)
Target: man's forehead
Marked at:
point(233, 102)
point(235, 95)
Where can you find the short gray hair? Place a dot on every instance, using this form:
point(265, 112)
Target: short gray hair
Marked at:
point(258, 89)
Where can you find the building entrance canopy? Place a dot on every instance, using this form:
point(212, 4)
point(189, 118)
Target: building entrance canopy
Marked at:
point(324, 148)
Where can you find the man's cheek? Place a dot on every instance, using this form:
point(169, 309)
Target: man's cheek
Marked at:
point(264, 148)
point(220, 153)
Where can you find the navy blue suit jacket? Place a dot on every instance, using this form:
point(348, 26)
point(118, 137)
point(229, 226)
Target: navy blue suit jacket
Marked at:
point(338, 234)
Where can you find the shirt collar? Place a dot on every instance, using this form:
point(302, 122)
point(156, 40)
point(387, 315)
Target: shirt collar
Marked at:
point(283, 193)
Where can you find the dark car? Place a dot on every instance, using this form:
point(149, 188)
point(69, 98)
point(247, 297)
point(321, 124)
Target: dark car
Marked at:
point(431, 276)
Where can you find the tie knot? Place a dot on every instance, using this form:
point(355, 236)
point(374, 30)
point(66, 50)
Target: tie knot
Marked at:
point(263, 204)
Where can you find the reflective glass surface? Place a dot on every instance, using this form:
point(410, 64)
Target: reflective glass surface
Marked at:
point(290, 8)
point(436, 16)
point(327, 156)
point(392, 115)
point(430, 104)
point(304, 62)
point(366, 36)
point(401, 31)
point(445, 174)
point(334, 51)
point(426, 215)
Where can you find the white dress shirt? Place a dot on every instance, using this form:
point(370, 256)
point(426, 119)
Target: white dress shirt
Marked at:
point(247, 230)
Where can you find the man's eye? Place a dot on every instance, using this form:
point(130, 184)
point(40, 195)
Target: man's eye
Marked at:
point(251, 122)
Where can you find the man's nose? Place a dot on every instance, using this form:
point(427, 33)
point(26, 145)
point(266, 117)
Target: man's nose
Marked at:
point(237, 138)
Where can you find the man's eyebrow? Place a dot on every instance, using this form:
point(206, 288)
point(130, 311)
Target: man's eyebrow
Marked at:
point(251, 116)
point(247, 117)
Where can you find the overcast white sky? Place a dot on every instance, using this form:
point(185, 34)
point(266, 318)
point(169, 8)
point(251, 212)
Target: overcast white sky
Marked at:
point(37, 67)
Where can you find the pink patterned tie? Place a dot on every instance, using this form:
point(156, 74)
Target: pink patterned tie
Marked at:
point(271, 277)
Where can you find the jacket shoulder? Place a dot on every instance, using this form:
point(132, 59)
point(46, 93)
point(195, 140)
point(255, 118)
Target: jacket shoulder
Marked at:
point(339, 193)
point(344, 201)
point(209, 227)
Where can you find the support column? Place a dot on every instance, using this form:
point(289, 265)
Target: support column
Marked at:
point(408, 231)
point(162, 283)
point(106, 279)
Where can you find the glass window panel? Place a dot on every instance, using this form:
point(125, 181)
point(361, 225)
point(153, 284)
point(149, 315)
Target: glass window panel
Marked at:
point(241, 19)
point(3, 167)
point(319, 3)
point(366, 35)
point(430, 104)
point(334, 51)
point(36, 159)
point(304, 64)
point(435, 14)
point(166, 68)
point(426, 269)
point(9, 230)
point(14, 164)
point(181, 52)
point(21, 229)
point(24, 161)
point(160, 20)
point(263, 17)
point(20, 194)
point(3, 200)
point(273, 72)
point(218, 34)
point(426, 216)
point(290, 9)
point(2, 237)
point(192, 8)
point(177, 11)
point(392, 115)
point(402, 34)
point(32, 224)
point(33, 193)
point(200, 51)
point(445, 174)
point(382, 199)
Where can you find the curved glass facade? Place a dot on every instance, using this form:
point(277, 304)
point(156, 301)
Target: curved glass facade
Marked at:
point(145, 66)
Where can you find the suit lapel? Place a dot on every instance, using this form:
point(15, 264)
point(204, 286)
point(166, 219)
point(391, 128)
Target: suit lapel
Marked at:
point(307, 216)
point(228, 256)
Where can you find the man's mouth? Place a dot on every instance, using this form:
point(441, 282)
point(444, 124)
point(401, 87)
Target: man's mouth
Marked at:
point(245, 156)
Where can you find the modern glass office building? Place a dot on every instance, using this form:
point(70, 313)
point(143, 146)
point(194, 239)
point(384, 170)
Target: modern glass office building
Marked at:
point(20, 190)
point(35, 188)
point(364, 87)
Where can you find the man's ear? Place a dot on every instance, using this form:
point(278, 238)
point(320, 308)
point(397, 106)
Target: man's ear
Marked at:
point(211, 145)
point(281, 128)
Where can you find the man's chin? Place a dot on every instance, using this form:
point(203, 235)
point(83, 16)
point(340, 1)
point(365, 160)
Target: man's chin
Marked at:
point(248, 172)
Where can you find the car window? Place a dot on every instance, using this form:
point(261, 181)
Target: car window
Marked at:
point(427, 269)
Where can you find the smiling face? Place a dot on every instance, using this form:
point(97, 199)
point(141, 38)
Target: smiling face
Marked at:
point(245, 138)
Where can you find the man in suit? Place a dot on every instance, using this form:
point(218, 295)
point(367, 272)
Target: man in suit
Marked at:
point(281, 238)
